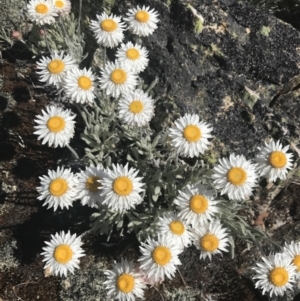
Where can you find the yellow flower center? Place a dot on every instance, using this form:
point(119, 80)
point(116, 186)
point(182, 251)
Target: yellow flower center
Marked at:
point(132, 54)
point(237, 176)
point(109, 25)
point(125, 283)
point(56, 66)
point(177, 227)
point(92, 184)
point(198, 203)
point(63, 254)
point(192, 133)
point(118, 76)
point(59, 4)
point(41, 8)
point(136, 107)
point(209, 242)
point(296, 262)
point(56, 124)
point(142, 16)
point(161, 255)
point(122, 186)
point(84, 82)
point(277, 159)
point(58, 187)
point(279, 276)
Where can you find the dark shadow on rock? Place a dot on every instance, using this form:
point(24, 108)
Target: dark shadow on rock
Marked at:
point(25, 168)
point(32, 234)
point(10, 119)
point(297, 297)
point(17, 52)
point(247, 282)
point(7, 151)
point(3, 103)
point(2, 196)
point(21, 93)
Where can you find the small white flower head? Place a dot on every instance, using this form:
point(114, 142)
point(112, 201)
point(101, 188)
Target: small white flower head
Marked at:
point(55, 126)
point(42, 11)
point(89, 186)
point(63, 7)
point(123, 282)
point(117, 78)
point(52, 70)
point(79, 85)
point(275, 274)
point(210, 238)
point(58, 189)
point(174, 229)
point(159, 258)
point(196, 204)
point(190, 135)
point(135, 56)
point(142, 21)
point(236, 177)
point(136, 108)
point(274, 161)
point(121, 188)
point(108, 30)
point(292, 251)
point(62, 253)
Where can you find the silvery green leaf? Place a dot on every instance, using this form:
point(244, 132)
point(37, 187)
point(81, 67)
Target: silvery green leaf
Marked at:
point(120, 224)
point(154, 198)
point(129, 158)
point(232, 246)
point(108, 161)
point(155, 141)
point(157, 190)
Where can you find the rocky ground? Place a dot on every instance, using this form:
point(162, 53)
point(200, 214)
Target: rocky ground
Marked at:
point(230, 72)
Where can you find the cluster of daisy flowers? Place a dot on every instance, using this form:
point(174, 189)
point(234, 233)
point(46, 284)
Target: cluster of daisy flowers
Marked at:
point(279, 272)
point(46, 11)
point(118, 79)
point(193, 223)
point(119, 188)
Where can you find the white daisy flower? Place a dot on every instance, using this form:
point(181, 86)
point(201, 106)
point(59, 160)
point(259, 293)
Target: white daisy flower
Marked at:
point(292, 251)
point(135, 56)
point(116, 79)
point(235, 176)
point(174, 229)
point(190, 135)
point(53, 69)
point(210, 238)
point(142, 21)
point(159, 258)
point(275, 274)
point(136, 108)
point(196, 204)
point(108, 30)
point(63, 7)
point(55, 126)
point(58, 189)
point(79, 85)
point(274, 161)
point(62, 253)
point(41, 11)
point(89, 187)
point(121, 188)
point(124, 283)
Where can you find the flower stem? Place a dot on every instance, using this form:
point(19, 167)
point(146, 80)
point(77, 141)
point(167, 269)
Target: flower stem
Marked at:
point(72, 150)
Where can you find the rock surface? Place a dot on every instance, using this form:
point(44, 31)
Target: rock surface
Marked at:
point(230, 70)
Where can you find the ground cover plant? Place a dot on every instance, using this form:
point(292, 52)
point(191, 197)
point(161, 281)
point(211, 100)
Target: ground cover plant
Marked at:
point(152, 180)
